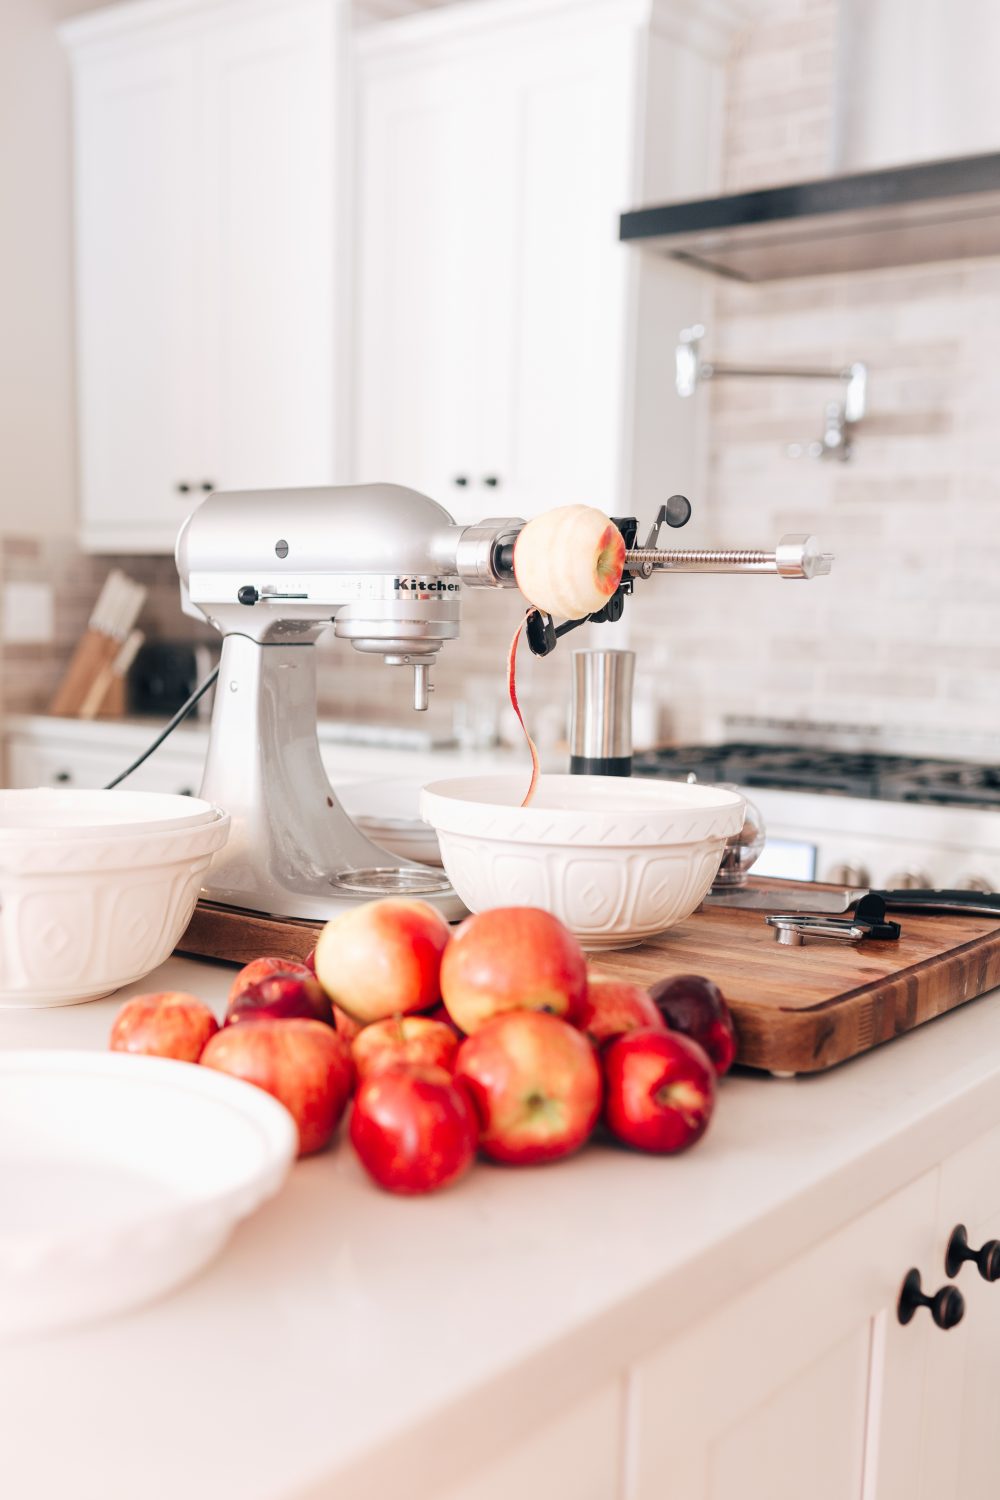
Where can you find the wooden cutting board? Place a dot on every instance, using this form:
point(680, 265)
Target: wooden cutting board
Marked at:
point(797, 1010)
point(802, 1009)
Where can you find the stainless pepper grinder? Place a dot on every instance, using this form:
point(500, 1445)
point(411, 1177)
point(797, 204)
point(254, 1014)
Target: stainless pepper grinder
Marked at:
point(601, 720)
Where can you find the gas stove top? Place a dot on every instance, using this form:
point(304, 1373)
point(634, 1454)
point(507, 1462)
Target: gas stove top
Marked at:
point(890, 778)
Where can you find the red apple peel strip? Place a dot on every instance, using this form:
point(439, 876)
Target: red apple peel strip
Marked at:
point(512, 689)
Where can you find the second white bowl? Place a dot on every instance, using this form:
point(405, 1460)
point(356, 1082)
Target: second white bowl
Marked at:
point(616, 859)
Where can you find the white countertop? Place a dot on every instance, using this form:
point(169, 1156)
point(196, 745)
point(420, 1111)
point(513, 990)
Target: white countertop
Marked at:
point(345, 1337)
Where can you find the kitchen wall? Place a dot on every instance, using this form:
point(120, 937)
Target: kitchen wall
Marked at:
point(903, 639)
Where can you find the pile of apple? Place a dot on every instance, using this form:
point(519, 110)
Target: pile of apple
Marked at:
point(492, 1039)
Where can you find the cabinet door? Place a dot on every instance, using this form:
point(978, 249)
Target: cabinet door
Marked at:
point(269, 85)
point(806, 1385)
point(961, 1436)
point(424, 206)
point(554, 388)
point(136, 223)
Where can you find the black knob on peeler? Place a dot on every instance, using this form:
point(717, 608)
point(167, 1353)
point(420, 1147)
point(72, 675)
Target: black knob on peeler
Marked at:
point(986, 1258)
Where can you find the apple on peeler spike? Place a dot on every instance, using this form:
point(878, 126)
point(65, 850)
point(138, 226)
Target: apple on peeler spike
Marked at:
point(569, 561)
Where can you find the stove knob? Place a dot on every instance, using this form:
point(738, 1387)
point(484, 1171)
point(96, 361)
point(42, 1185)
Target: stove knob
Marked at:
point(847, 874)
point(974, 883)
point(910, 880)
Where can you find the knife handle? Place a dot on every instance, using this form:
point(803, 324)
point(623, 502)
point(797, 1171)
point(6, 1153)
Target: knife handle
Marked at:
point(965, 903)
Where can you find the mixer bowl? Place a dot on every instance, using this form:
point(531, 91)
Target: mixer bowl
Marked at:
point(616, 860)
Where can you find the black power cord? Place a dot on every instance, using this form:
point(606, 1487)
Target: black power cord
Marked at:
point(181, 713)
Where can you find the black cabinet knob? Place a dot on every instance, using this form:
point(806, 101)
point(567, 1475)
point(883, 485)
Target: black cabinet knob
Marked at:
point(986, 1258)
point(207, 485)
point(947, 1305)
point(492, 480)
point(461, 480)
point(183, 488)
point(62, 777)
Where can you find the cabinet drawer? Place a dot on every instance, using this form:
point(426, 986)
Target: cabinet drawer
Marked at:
point(806, 1385)
point(29, 763)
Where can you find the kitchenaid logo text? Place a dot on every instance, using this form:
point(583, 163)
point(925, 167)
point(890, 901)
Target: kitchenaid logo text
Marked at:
point(426, 585)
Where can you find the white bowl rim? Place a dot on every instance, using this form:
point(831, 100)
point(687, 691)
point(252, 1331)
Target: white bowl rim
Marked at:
point(275, 1126)
point(622, 806)
point(79, 813)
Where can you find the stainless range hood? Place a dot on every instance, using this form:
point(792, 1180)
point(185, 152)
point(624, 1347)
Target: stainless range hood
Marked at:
point(897, 216)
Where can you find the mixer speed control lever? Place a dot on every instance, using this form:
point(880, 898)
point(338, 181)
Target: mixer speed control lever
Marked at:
point(248, 594)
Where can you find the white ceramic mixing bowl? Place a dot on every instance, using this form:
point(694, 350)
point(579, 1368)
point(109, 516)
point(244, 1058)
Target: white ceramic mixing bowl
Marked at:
point(96, 887)
point(616, 859)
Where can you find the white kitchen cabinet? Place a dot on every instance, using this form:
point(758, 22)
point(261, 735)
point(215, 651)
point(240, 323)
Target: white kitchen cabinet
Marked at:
point(512, 354)
point(960, 1442)
point(805, 1385)
point(207, 151)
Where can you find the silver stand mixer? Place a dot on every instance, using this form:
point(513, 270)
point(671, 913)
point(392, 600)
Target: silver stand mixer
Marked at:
point(271, 570)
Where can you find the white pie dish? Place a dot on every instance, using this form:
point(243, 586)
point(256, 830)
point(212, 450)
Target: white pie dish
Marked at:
point(122, 1176)
point(96, 888)
point(616, 859)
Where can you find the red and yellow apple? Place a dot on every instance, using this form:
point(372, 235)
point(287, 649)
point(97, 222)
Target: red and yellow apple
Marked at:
point(695, 1006)
point(414, 1129)
point(383, 958)
point(536, 1085)
point(281, 996)
point(303, 1064)
point(512, 958)
point(659, 1090)
point(569, 561)
point(169, 1024)
point(402, 1040)
point(612, 1007)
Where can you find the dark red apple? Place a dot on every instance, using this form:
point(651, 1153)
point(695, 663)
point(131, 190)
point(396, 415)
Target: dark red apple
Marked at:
point(414, 1129)
point(383, 958)
point(303, 1064)
point(512, 958)
point(281, 997)
point(536, 1085)
point(695, 1006)
point(169, 1024)
point(659, 1090)
point(263, 968)
point(612, 1007)
point(415, 1040)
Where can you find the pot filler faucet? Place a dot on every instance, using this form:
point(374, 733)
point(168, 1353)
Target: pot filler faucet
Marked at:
point(271, 570)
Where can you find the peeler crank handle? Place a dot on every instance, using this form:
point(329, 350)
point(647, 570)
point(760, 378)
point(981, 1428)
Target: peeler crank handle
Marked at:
point(796, 556)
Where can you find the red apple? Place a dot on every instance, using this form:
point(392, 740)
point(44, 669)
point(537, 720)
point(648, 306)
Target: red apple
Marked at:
point(414, 1129)
point(612, 1007)
point(512, 958)
point(439, 1012)
point(170, 1024)
point(659, 1090)
point(383, 958)
point(310, 961)
point(281, 996)
point(695, 1007)
point(304, 1064)
point(569, 561)
point(345, 1024)
point(404, 1039)
point(263, 968)
point(536, 1085)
